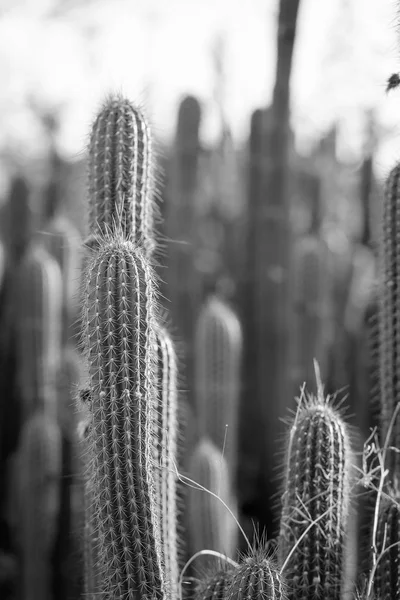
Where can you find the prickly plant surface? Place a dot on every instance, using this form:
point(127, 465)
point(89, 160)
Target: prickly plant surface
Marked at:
point(387, 574)
point(389, 315)
point(166, 452)
point(316, 501)
point(120, 345)
point(256, 577)
point(121, 180)
point(215, 585)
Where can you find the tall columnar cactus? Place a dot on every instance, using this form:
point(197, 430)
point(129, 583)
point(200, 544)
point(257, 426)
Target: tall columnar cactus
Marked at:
point(119, 340)
point(218, 346)
point(17, 222)
point(38, 497)
point(121, 177)
point(39, 303)
point(389, 316)
point(257, 577)
point(211, 525)
point(386, 576)
point(166, 453)
point(316, 501)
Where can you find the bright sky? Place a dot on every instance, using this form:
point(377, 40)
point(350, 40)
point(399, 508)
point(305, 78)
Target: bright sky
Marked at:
point(154, 51)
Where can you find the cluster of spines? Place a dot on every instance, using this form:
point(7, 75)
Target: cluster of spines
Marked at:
point(217, 369)
point(316, 500)
point(119, 341)
point(121, 178)
point(258, 576)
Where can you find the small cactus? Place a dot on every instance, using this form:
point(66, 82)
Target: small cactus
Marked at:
point(215, 585)
point(121, 178)
point(316, 500)
point(119, 319)
point(256, 577)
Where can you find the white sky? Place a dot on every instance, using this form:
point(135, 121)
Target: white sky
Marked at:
point(155, 51)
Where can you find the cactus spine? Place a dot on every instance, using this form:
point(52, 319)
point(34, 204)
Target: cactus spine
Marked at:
point(216, 585)
point(257, 577)
point(121, 180)
point(119, 341)
point(317, 491)
point(218, 362)
point(387, 575)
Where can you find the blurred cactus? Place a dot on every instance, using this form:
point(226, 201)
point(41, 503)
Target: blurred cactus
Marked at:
point(387, 546)
point(218, 346)
point(211, 526)
point(121, 178)
point(215, 585)
point(18, 221)
point(166, 453)
point(39, 302)
point(38, 489)
point(119, 342)
point(316, 500)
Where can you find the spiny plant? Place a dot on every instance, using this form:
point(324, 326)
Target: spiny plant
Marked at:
point(119, 322)
point(121, 174)
point(215, 584)
point(389, 316)
point(386, 576)
point(218, 346)
point(211, 525)
point(166, 453)
point(316, 499)
point(258, 576)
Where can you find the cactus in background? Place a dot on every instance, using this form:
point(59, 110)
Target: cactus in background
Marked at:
point(386, 575)
point(121, 178)
point(166, 453)
point(39, 303)
point(215, 585)
point(312, 332)
point(183, 282)
point(17, 221)
point(38, 498)
point(62, 240)
point(389, 317)
point(257, 577)
point(316, 500)
point(218, 346)
point(211, 526)
point(119, 319)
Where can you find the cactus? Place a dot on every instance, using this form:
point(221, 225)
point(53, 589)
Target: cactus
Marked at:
point(121, 178)
point(166, 452)
point(386, 576)
point(211, 525)
point(256, 577)
point(389, 318)
point(119, 342)
point(215, 585)
point(17, 222)
point(38, 328)
point(218, 345)
point(316, 500)
point(38, 489)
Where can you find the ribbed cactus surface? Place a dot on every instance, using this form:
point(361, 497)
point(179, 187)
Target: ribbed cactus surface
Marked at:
point(211, 525)
point(166, 453)
point(120, 345)
point(257, 577)
point(316, 501)
point(39, 302)
point(215, 586)
point(38, 499)
point(389, 314)
point(387, 574)
point(217, 367)
point(121, 179)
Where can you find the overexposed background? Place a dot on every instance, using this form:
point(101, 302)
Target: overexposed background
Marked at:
point(66, 55)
